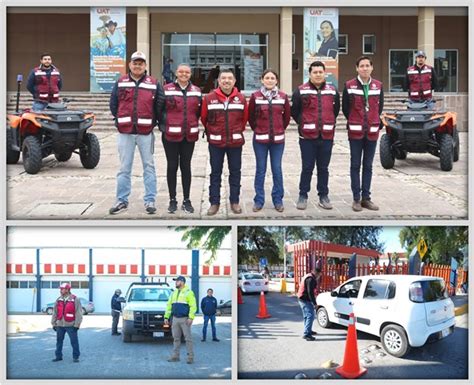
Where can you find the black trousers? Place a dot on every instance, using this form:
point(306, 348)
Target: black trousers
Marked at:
point(115, 321)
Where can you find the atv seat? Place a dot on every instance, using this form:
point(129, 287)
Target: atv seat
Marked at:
point(56, 106)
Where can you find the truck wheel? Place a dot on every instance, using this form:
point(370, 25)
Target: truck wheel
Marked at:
point(90, 152)
point(394, 340)
point(63, 156)
point(32, 158)
point(12, 155)
point(446, 152)
point(401, 155)
point(386, 156)
point(126, 337)
point(323, 318)
point(456, 145)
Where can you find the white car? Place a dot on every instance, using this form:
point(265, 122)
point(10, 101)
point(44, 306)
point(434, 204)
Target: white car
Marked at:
point(403, 310)
point(252, 283)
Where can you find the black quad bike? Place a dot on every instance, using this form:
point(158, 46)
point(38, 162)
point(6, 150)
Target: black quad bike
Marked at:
point(420, 130)
point(55, 130)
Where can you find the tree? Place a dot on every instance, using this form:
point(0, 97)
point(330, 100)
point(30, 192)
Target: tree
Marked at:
point(443, 242)
point(365, 237)
point(209, 238)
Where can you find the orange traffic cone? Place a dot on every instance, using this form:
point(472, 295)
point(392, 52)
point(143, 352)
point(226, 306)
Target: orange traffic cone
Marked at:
point(240, 300)
point(351, 367)
point(262, 309)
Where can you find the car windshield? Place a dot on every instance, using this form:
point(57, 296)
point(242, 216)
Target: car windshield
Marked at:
point(253, 276)
point(149, 294)
point(434, 290)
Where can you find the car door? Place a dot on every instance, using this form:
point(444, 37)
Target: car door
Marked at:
point(345, 301)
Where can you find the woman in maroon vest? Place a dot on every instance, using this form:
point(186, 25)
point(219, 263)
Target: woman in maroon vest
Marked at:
point(269, 115)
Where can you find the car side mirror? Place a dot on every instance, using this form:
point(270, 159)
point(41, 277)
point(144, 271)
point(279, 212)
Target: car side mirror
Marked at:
point(334, 293)
point(221, 301)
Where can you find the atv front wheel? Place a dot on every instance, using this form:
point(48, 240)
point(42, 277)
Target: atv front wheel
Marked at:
point(386, 156)
point(446, 152)
point(12, 155)
point(32, 157)
point(456, 145)
point(63, 156)
point(90, 152)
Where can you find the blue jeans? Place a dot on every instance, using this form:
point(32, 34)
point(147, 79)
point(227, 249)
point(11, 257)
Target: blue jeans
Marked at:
point(315, 151)
point(362, 153)
point(72, 333)
point(212, 318)
point(234, 161)
point(126, 148)
point(261, 155)
point(39, 106)
point(308, 315)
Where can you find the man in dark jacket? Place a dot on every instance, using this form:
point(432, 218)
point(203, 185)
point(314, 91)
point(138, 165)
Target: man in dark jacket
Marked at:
point(209, 308)
point(44, 83)
point(307, 300)
point(116, 308)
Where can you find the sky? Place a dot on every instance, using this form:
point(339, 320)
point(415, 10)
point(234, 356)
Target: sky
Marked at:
point(389, 235)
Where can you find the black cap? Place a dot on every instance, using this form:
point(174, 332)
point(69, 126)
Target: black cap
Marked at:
point(180, 278)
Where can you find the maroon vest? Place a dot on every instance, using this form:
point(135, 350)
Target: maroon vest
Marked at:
point(269, 124)
point(47, 88)
point(225, 124)
point(136, 113)
point(302, 287)
point(317, 111)
point(361, 120)
point(67, 309)
point(420, 83)
point(182, 112)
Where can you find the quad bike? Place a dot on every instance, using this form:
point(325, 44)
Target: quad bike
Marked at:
point(419, 129)
point(54, 130)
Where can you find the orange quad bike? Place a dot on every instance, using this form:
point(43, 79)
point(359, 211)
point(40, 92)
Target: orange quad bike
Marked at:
point(419, 129)
point(54, 130)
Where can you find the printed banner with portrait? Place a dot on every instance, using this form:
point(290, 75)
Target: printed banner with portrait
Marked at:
point(321, 42)
point(107, 47)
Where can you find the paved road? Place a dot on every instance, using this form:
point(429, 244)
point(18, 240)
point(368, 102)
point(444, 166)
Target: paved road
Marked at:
point(415, 188)
point(29, 353)
point(273, 348)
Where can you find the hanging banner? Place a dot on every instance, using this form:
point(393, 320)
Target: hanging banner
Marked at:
point(321, 34)
point(107, 47)
point(253, 68)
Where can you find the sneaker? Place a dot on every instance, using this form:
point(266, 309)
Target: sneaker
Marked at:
point(187, 207)
point(280, 208)
point(173, 206)
point(116, 334)
point(313, 333)
point(309, 338)
point(325, 203)
point(203, 340)
point(75, 360)
point(216, 339)
point(256, 208)
point(150, 207)
point(173, 359)
point(118, 208)
point(369, 205)
point(302, 203)
point(356, 206)
point(57, 359)
point(213, 209)
point(236, 209)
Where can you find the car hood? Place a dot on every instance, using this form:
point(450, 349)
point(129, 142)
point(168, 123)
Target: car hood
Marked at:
point(323, 298)
point(146, 306)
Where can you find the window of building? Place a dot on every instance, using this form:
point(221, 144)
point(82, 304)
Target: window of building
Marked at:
point(14, 284)
point(46, 284)
point(84, 284)
point(368, 44)
point(23, 284)
point(8, 284)
point(55, 284)
point(207, 53)
point(31, 284)
point(75, 284)
point(343, 44)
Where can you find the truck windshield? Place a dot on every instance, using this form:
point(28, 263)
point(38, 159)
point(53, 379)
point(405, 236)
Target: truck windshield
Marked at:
point(149, 294)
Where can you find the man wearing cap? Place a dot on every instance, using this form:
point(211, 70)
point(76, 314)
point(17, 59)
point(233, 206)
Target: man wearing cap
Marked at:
point(116, 307)
point(135, 103)
point(182, 308)
point(67, 318)
point(421, 80)
point(44, 83)
point(116, 37)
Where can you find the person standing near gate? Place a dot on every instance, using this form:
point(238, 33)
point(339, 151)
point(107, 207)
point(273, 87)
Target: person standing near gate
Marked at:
point(116, 308)
point(44, 83)
point(315, 108)
point(181, 307)
point(179, 124)
point(307, 290)
point(66, 319)
point(269, 115)
point(362, 104)
point(209, 309)
point(224, 115)
point(421, 80)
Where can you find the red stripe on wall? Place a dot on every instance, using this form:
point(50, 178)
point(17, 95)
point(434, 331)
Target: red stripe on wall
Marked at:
point(29, 268)
point(184, 270)
point(173, 269)
point(151, 270)
point(82, 269)
point(216, 270)
point(134, 269)
point(70, 269)
point(18, 269)
point(9, 268)
point(100, 269)
point(47, 268)
point(111, 269)
point(205, 270)
point(122, 269)
point(59, 268)
point(226, 270)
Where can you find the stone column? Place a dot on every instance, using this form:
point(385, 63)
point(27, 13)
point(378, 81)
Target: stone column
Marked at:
point(426, 32)
point(143, 32)
point(286, 39)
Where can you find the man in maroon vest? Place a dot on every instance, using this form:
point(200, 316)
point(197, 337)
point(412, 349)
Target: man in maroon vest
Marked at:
point(135, 103)
point(224, 114)
point(315, 108)
point(307, 292)
point(67, 318)
point(362, 104)
point(44, 83)
point(421, 80)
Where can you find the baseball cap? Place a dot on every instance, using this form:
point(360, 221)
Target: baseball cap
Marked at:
point(180, 278)
point(65, 286)
point(138, 56)
point(420, 53)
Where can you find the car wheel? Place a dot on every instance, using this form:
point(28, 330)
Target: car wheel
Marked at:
point(32, 157)
point(395, 341)
point(63, 156)
point(456, 145)
point(386, 156)
point(49, 310)
point(90, 152)
point(12, 155)
point(446, 152)
point(323, 318)
point(126, 337)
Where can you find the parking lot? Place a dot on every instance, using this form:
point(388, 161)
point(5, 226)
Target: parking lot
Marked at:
point(273, 348)
point(31, 344)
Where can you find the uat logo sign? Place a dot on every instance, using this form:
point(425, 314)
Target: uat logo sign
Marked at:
point(315, 12)
point(103, 10)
